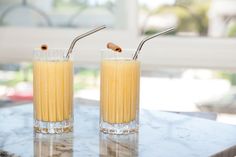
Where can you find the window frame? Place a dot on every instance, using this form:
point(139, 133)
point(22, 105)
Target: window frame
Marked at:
point(17, 44)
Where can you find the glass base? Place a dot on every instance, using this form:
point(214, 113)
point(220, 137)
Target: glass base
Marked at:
point(53, 127)
point(120, 128)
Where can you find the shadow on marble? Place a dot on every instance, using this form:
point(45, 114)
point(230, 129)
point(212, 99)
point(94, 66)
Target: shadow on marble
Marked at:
point(230, 152)
point(118, 145)
point(7, 154)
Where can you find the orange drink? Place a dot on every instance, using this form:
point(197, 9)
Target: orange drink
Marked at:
point(53, 93)
point(119, 94)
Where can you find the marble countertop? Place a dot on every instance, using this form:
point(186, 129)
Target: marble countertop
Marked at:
point(161, 134)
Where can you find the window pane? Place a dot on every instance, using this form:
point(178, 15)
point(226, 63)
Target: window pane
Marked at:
point(215, 18)
point(62, 13)
point(15, 84)
point(167, 89)
point(181, 90)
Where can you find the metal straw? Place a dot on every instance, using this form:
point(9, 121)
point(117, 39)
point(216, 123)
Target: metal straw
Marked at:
point(82, 36)
point(135, 56)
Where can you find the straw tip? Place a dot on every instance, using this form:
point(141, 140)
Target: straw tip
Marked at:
point(104, 26)
point(172, 28)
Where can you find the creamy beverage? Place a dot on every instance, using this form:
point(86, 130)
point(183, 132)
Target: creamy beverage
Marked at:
point(53, 90)
point(119, 90)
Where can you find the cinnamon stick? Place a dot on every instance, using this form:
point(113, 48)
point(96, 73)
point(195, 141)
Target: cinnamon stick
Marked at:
point(44, 47)
point(114, 47)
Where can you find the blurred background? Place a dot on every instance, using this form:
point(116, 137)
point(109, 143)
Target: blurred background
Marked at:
point(190, 70)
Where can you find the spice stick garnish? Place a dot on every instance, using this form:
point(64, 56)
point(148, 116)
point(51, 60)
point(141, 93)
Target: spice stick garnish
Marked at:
point(44, 47)
point(114, 47)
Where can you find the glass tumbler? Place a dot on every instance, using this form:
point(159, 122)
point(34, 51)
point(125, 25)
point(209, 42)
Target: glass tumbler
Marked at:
point(53, 91)
point(119, 92)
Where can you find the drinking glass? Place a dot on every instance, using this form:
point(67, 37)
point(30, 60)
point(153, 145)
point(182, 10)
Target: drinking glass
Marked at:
point(119, 92)
point(53, 91)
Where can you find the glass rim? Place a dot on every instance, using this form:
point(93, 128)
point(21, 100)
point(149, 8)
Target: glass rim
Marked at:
point(54, 49)
point(128, 50)
point(126, 54)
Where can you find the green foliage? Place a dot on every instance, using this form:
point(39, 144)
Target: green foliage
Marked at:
point(184, 18)
point(69, 6)
point(228, 76)
point(200, 12)
point(232, 30)
point(24, 74)
point(191, 15)
point(184, 2)
point(153, 31)
point(13, 82)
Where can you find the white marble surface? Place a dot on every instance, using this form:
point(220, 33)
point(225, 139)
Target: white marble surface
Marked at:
point(161, 134)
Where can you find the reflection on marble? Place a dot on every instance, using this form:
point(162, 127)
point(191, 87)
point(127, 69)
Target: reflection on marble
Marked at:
point(6, 154)
point(53, 145)
point(118, 145)
point(161, 134)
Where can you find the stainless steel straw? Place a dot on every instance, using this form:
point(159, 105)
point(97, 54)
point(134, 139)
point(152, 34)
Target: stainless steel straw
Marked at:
point(82, 36)
point(135, 56)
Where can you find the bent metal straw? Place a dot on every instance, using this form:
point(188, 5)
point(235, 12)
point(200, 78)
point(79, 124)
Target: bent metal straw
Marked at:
point(82, 36)
point(135, 56)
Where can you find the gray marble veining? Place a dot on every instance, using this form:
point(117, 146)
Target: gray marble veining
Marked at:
point(161, 134)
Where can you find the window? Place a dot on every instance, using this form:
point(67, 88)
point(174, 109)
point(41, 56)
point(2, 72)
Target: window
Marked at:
point(214, 18)
point(184, 65)
point(62, 13)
